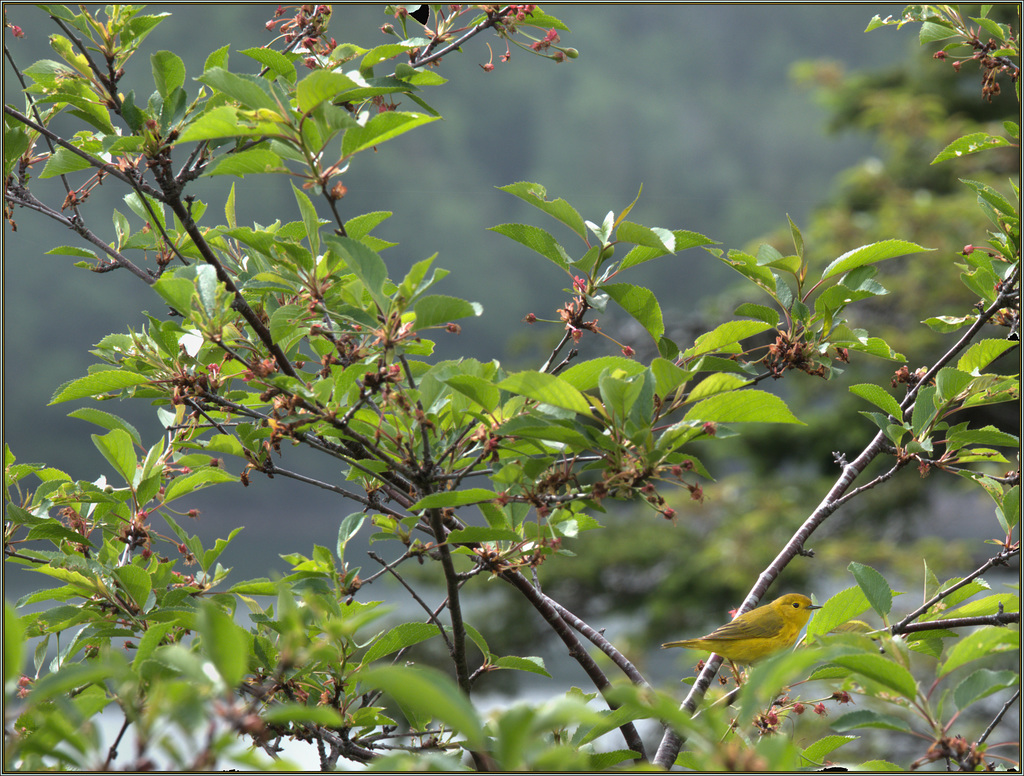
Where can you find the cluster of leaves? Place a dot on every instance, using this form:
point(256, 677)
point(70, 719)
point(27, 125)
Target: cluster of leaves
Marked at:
point(291, 334)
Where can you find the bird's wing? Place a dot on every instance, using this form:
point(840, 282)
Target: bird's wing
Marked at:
point(769, 623)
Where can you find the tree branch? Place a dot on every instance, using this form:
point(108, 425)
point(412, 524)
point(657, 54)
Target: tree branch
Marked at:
point(1002, 618)
point(24, 198)
point(493, 17)
point(998, 560)
point(547, 610)
point(109, 169)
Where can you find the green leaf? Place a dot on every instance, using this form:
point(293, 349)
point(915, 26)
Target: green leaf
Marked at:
point(586, 374)
point(981, 643)
point(548, 389)
point(62, 162)
point(871, 254)
point(223, 121)
point(981, 684)
point(136, 583)
point(798, 238)
point(274, 61)
point(349, 527)
point(759, 311)
point(536, 195)
point(1009, 512)
point(944, 324)
point(73, 677)
point(716, 383)
point(360, 226)
point(620, 395)
point(56, 533)
point(924, 410)
point(817, 751)
point(536, 239)
point(658, 238)
point(875, 588)
point(107, 420)
point(150, 640)
point(640, 303)
point(747, 266)
point(839, 609)
point(668, 376)
point(298, 713)
point(879, 397)
point(682, 238)
point(427, 692)
point(749, 406)
point(400, 637)
point(993, 197)
point(168, 72)
point(71, 250)
point(14, 644)
point(950, 383)
point(483, 392)
point(251, 91)
point(726, 337)
point(310, 220)
point(176, 291)
point(970, 144)
point(365, 263)
point(475, 534)
point(117, 448)
point(224, 642)
point(454, 498)
point(321, 85)
point(16, 142)
point(250, 161)
point(982, 353)
point(881, 670)
point(382, 53)
point(217, 58)
point(870, 719)
point(438, 309)
point(182, 486)
point(382, 127)
point(535, 665)
point(261, 586)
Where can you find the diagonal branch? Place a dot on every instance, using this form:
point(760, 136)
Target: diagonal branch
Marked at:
point(493, 17)
point(24, 198)
point(998, 560)
point(577, 651)
point(110, 169)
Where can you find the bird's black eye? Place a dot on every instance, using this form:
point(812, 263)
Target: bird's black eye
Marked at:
point(796, 606)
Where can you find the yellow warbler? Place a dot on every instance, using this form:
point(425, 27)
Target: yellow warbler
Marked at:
point(759, 632)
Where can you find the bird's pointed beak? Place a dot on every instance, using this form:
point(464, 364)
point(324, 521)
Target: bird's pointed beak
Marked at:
point(813, 606)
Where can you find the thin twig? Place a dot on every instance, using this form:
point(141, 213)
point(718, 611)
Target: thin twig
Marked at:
point(109, 169)
point(576, 650)
point(1002, 713)
point(492, 19)
point(598, 640)
point(68, 188)
point(1002, 618)
point(998, 560)
point(432, 616)
point(24, 198)
point(271, 468)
